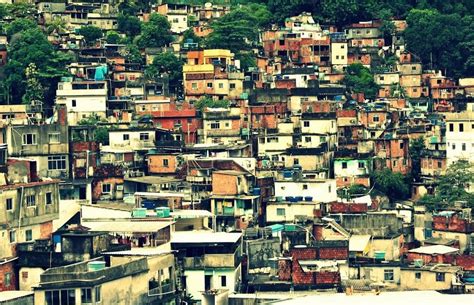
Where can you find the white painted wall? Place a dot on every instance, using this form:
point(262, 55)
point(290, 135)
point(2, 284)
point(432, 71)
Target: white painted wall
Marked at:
point(320, 190)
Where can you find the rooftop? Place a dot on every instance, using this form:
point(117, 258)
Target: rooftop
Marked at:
point(14, 294)
point(126, 226)
point(436, 249)
point(194, 237)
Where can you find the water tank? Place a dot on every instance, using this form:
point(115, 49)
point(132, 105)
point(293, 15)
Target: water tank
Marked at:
point(139, 213)
point(379, 255)
point(256, 191)
point(95, 265)
point(299, 198)
point(162, 212)
point(287, 174)
point(308, 198)
point(289, 198)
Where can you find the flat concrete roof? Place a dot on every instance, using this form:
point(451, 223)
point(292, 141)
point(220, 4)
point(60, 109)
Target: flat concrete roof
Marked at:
point(125, 226)
point(14, 294)
point(193, 237)
point(386, 298)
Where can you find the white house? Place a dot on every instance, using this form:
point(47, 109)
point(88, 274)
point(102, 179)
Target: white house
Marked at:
point(135, 139)
point(459, 136)
point(323, 190)
point(82, 99)
point(339, 56)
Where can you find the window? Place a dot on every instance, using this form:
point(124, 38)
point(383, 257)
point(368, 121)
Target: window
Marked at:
point(223, 281)
point(194, 86)
point(221, 86)
point(376, 118)
point(394, 162)
point(418, 275)
point(305, 123)
point(388, 275)
point(463, 146)
point(337, 56)
point(461, 127)
point(144, 136)
point(296, 161)
point(54, 137)
point(57, 162)
point(440, 164)
point(232, 86)
point(280, 212)
point(12, 236)
point(454, 146)
point(451, 127)
point(165, 162)
point(106, 188)
point(9, 204)
point(126, 137)
point(49, 198)
point(305, 186)
point(86, 295)
point(372, 134)
point(440, 277)
point(209, 85)
point(8, 279)
point(28, 235)
point(30, 200)
point(215, 125)
point(29, 139)
point(98, 294)
point(322, 139)
point(361, 165)
point(74, 103)
point(401, 145)
point(307, 139)
point(344, 164)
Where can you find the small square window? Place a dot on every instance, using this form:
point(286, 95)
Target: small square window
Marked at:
point(54, 137)
point(305, 123)
point(49, 198)
point(305, 186)
point(144, 136)
point(418, 275)
point(280, 212)
point(388, 275)
point(30, 200)
point(165, 162)
point(461, 127)
point(7, 279)
point(194, 86)
point(232, 86)
point(9, 204)
point(440, 277)
point(12, 236)
point(74, 103)
point(28, 235)
point(106, 188)
point(209, 85)
point(221, 86)
point(344, 164)
point(126, 137)
point(361, 165)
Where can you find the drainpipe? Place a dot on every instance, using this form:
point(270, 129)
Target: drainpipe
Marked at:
point(21, 208)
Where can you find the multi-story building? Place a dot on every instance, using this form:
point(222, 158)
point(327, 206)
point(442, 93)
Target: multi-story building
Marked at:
point(459, 140)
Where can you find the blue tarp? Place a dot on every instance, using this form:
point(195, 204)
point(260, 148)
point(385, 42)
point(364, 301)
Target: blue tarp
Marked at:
point(100, 73)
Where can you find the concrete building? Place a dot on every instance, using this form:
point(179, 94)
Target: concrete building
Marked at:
point(459, 140)
point(210, 260)
point(82, 99)
point(323, 190)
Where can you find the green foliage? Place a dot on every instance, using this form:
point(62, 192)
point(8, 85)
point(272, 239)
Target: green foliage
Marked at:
point(155, 33)
point(452, 47)
point(113, 37)
point(168, 63)
point(101, 133)
point(237, 30)
point(207, 102)
point(31, 46)
point(129, 25)
point(90, 33)
point(19, 25)
point(34, 90)
point(452, 187)
point(394, 185)
point(57, 25)
point(359, 79)
point(132, 54)
point(190, 35)
point(416, 150)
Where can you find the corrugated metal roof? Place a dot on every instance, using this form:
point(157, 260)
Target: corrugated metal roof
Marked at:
point(436, 249)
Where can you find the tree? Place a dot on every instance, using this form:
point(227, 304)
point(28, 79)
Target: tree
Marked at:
point(129, 25)
point(90, 33)
point(168, 63)
point(359, 79)
point(155, 33)
point(132, 54)
point(19, 25)
point(113, 37)
point(416, 151)
point(394, 185)
point(34, 90)
point(31, 46)
point(57, 25)
point(344, 12)
point(189, 35)
point(452, 187)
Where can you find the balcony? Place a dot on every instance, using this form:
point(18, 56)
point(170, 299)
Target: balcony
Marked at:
point(199, 180)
